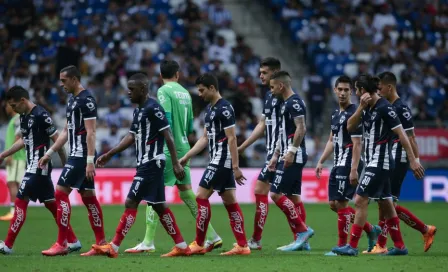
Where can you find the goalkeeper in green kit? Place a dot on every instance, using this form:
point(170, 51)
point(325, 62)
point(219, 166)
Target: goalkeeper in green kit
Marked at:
point(176, 101)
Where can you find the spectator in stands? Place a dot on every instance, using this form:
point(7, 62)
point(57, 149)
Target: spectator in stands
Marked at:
point(107, 93)
point(220, 50)
point(315, 89)
point(442, 115)
point(218, 15)
point(380, 20)
point(340, 42)
point(96, 61)
point(114, 116)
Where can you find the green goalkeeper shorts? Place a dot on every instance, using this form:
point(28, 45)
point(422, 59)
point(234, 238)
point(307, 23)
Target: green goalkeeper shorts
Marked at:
point(170, 178)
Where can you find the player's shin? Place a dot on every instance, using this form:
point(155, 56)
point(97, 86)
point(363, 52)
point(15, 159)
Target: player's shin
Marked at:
point(393, 225)
point(152, 219)
point(344, 216)
point(202, 220)
point(169, 223)
point(292, 214)
point(17, 221)
point(95, 218)
point(302, 211)
point(410, 219)
point(261, 214)
point(53, 208)
point(126, 222)
point(64, 210)
point(237, 223)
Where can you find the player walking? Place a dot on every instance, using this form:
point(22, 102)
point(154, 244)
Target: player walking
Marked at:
point(36, 130)
point(388, 90)
point(346, 164)
point(289, 158)
point(149, 130)
point(176, 101)
point(379, 121)
point(79, 171)
point(223, 169)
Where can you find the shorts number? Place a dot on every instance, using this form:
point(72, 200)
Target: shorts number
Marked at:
point(137, 184)
point(365, 181)
point(341, 185)
point(209, 176)
point(278, 179)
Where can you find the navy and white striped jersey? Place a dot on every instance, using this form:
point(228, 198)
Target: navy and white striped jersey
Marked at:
point(342, 139)
point(147, 124)
point(293, 107)
point(378, 123)
point(405, 116)
point(273, 117)
point(81, 107)
point(36, 129)
point(218, 118)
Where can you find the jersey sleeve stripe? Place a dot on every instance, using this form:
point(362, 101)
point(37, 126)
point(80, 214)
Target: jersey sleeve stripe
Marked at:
point(133, 132)
point(164, 128)
point(396, 127)
point(90, 118)
point(231, 126)
point(409, 128)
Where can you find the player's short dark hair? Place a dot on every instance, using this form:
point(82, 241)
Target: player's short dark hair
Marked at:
point(281, 75)
point(388, 78)
point(139, 77)
point(368, 82)
point(16, 93)
point(272, 63)
point(169, 68)
point(343, 79)
point(71, 71)
point(208, 80)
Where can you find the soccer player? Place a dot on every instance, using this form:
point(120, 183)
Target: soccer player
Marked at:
point(79, 171)
point(347, 165)
point(149, 131)
point(36, 130)
point(269, 127)
point(289, 158)
point(176, 101)
point(16, 164)
point(223, 169)
point(379, 121)
point(388, 90)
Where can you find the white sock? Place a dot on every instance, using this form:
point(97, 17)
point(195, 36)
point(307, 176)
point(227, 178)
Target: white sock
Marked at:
point(182, 245)
point(115, 247)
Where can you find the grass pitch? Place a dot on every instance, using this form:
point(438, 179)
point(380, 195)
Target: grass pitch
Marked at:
point(40, 231)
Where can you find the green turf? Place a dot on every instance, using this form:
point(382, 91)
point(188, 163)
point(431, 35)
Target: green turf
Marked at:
point(39, 232)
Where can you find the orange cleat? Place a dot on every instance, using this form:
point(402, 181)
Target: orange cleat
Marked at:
point(237, 250)
point(196, 249)
point(376, 250)
point(89, 253)
point(56, 250)
point(428, 237)
point(106, 249)
point(7, 217)
point(178, 252)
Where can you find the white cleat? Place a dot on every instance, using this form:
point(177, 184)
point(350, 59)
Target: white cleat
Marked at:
point(211, 245)
point(4, 249)
point(74, 247)
point(141, 248)
point(253, 244)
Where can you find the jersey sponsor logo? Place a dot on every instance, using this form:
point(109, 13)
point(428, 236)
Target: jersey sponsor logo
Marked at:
point(407, 115)
point(182, 95)
point(268, 122)
point(296, 106)
point(159, 115)
point(161, 98)
point(169, 223)
point(226, 114)
point(392, 114)
point(48, 120)
point(94, 212)
point(65, 212)
point(129, 222)
point(19, 219)
point(203, 215)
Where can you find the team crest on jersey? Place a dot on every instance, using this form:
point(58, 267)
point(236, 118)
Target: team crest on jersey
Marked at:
point(140, 116)
point(74, 105)
point(212, 115)
point(283, 109)
point(274, 102)
point(373, 115)
point(342, 119)
point(30, 122)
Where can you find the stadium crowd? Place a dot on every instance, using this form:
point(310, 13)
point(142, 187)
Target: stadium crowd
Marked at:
point(110, 39)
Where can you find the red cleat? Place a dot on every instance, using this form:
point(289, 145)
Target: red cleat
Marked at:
point(55, 250)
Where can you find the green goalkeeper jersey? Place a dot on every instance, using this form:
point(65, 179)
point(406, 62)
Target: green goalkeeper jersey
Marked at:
point(176, 101)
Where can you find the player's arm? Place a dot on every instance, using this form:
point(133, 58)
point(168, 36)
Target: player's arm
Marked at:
point(408, 127)
point(179, 171)
point(354, 121)
point(19, 144)
point(56, 147)
point(273, 162)
point(299, 135)
point(198, 147)
point(231, 137)
point(124, 144)
point(411, 136)
point(356, 156)
point(90, 125)
point(256, 134)
point(62, 154)
point(327, 152)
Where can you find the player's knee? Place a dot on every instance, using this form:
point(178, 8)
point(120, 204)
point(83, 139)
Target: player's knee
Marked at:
point(275, 197)
point(361, 202)
point(184, 187)
point(87, 193)
point(333, 206)
point(130, 204)
point(159, 208)
point(262, 188)
point(65, 190)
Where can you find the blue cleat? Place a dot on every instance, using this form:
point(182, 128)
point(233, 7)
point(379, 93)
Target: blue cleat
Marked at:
point(305, 247)
point(346, 250)
point(331, 253)
point(373, 237)
point(396, 252)
point(301, 239)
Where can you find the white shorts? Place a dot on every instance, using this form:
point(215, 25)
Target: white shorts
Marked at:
point(15, 171)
